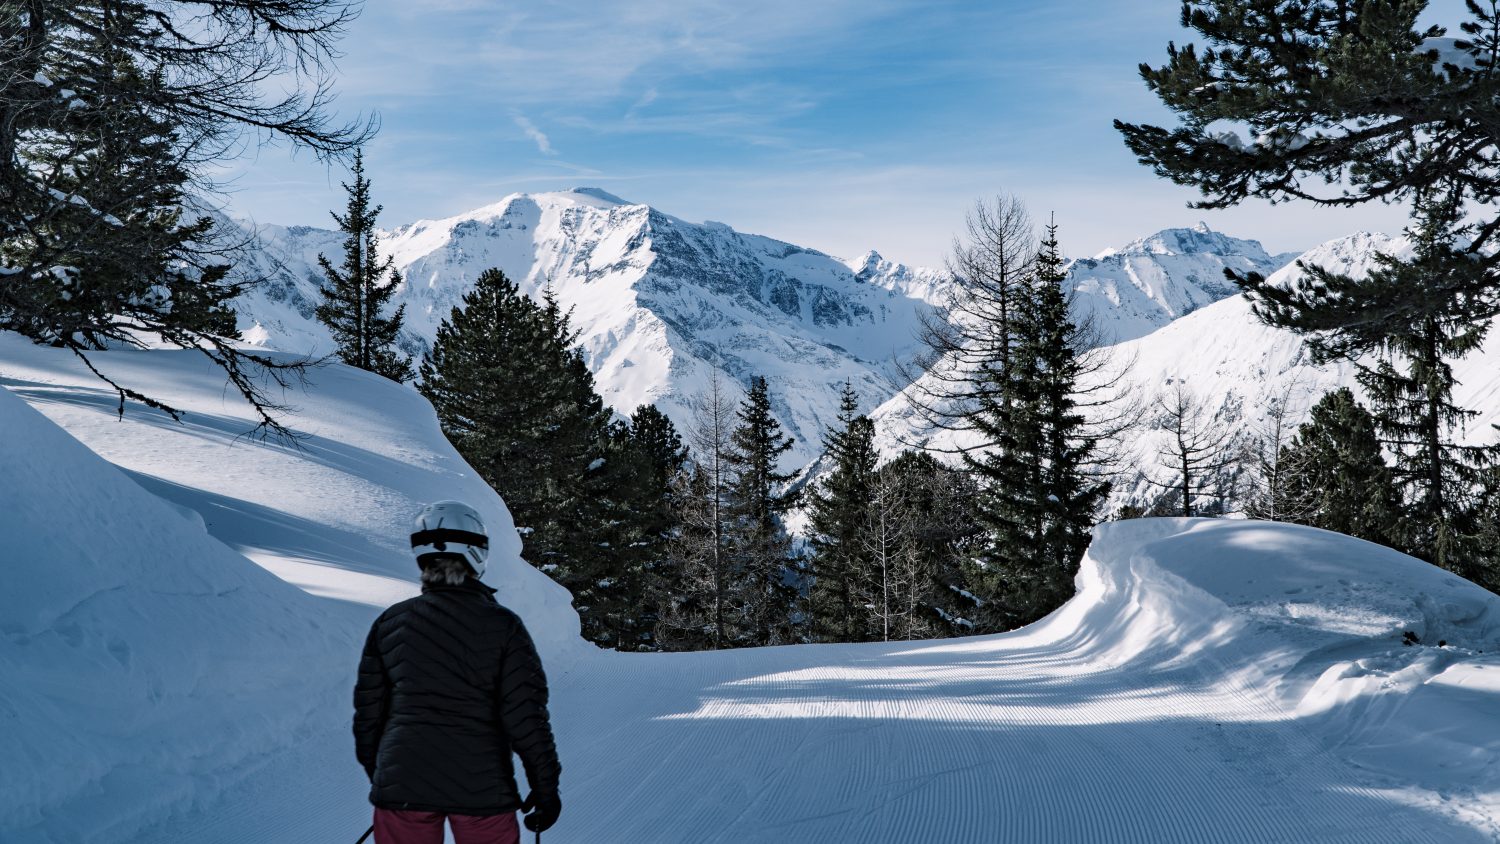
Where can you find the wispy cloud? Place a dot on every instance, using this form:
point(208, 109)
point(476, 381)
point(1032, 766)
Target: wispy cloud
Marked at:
point(543, 144)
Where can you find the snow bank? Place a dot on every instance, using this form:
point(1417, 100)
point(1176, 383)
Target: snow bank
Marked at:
point(147, 663)
point(133, 646)
point(1393, 662)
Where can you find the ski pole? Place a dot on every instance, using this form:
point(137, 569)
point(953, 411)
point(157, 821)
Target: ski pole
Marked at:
point(366, 835)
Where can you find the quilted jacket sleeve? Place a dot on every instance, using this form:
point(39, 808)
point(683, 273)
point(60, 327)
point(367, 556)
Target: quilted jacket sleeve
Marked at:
point(523, 711)
point(372, 699)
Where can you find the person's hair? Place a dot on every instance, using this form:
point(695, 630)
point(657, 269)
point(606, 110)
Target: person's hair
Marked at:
point(446, 571)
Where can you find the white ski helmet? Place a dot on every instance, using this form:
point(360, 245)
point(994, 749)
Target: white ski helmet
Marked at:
point(450, 529)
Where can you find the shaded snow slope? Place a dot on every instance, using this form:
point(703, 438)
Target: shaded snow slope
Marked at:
point(140, 659)
point(147, 670)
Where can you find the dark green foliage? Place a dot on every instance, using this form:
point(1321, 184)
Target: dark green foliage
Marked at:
point(1410, 317)
point(517, 400)
point(358, 290)
point(629, 502)
point(111, 113)
point(1336, 477)
point(937, 537)
point(1038, 500)
point(1328, 91)
point(760, 547)
point(1346, 94)
point(840, 517)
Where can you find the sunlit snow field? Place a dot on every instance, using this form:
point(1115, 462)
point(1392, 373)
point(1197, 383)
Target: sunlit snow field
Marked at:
point(1213, 681)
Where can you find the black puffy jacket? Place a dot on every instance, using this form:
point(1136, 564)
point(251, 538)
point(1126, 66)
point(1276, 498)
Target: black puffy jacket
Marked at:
point(449, 686)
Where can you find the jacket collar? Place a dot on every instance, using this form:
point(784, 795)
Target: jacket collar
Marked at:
point(470, 584)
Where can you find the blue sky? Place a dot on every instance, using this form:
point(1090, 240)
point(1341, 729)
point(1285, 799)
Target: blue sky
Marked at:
point(843, 125)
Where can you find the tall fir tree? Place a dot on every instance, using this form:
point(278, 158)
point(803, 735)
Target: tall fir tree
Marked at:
point(840, 517)
point(358, 290)
point(1040, 490)
point(516, 398)
point(760, 545)
point(1337, 478)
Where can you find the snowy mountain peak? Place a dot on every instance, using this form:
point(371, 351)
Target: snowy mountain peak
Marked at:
point(662, 304)
point(1133, 290)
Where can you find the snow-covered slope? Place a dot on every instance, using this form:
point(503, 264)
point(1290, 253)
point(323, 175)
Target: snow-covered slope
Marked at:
point(148, 666)
point(1129, 292)
point(132, 645)
point(1211, 682)
point(661, 303)
point(1238, 367)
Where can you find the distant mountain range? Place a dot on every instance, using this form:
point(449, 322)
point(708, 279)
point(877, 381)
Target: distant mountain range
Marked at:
point(663, 304)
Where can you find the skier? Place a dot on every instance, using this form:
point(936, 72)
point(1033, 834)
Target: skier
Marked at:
point(449, 687)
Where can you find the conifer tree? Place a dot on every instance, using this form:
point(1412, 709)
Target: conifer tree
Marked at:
point(698, 608)
point(943, 537)
point(358, 290)
point(1337, 477)
point(1039, 494)
point(516, 398)
point(1400, 329)
point(762, 549)
point(1353, 95)
point(112, 115)
point(840, 516)
point(631, 500)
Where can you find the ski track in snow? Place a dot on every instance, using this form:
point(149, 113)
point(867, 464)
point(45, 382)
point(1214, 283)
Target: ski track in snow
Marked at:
point(1139, 713)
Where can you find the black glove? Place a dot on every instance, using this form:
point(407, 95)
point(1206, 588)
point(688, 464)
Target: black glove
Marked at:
point(541, 810)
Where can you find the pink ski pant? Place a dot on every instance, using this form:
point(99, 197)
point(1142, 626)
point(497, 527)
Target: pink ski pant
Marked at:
point(396, 827)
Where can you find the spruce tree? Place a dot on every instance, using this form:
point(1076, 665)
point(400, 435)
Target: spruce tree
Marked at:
point(631, 501)
point(944, 537)
point(1040, 490)
point(1337, 478)
point(761, 547)
point(358, 290)
point(516, 398)
point(840, 516)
